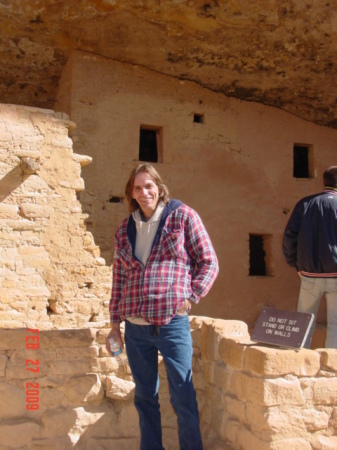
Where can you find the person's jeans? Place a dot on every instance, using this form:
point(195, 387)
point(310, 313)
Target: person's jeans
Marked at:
point(174, 342)
point(311, 292)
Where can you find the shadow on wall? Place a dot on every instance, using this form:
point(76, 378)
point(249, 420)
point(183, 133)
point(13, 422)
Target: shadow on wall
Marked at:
point(109, 428)
point(90, 427)
point(11, 181)
point(14, 178)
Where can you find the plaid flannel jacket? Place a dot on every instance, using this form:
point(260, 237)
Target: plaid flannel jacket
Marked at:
point(182, 265)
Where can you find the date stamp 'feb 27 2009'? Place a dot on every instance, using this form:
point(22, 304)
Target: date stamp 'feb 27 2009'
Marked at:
point(32, 365)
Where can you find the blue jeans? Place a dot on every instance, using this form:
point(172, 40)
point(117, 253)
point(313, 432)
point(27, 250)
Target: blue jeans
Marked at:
point(174, 342)
point(311, 292)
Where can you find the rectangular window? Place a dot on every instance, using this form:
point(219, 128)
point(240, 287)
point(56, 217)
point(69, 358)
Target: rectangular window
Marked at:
point(260, 255)
point(303, 161)
point(150, 144)
point(198, 118)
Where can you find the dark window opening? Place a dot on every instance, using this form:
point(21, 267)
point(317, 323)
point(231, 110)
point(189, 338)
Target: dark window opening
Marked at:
point(301, 161)
point(198, 118)
point(260, 262)
point(149, 144)
point(115, 199)
point(257, 264)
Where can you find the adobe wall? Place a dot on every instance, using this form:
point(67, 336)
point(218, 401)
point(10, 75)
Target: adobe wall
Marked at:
point(60, 390)
point(235, 169)
point(51, 271)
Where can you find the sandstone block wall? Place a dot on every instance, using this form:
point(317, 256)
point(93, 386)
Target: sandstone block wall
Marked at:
point(60, 390)
point(263, 398)
point(57, 395)
point(51, 272)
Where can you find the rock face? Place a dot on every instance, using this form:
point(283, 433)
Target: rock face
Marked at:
point(279, 53)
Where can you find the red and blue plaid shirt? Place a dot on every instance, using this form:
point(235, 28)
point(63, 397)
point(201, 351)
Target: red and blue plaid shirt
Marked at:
point(182, 265)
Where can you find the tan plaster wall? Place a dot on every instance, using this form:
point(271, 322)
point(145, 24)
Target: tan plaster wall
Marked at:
point(235, 169)
point(250, 397)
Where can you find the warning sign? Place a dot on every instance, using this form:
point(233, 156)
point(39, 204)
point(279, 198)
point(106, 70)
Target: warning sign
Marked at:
point(282, 328)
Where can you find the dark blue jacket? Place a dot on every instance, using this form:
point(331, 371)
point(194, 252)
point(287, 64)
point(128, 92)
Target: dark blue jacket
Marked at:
point(310, 237)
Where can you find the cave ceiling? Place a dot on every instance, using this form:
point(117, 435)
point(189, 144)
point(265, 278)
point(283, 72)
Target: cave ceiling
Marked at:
point(279, 53)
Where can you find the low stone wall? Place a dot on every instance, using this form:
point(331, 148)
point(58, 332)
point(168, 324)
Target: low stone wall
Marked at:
point(59, 390)
point(263, 398)
point(54, 392)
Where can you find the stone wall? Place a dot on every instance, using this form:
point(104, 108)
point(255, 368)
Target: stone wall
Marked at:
point(263, 398)
point(51, 272)
point(60, 390)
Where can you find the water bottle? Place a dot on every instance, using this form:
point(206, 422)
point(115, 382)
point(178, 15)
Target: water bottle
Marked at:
point(115, 348)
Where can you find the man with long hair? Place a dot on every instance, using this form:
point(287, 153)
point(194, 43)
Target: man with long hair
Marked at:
point(164, 262)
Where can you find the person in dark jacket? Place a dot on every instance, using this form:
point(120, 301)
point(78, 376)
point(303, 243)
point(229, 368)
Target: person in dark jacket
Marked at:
point(310, 246)
point(164, 262)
